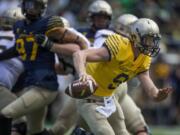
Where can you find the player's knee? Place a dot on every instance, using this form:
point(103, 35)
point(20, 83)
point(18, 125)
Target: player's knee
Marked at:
point(59, 127)
point(122, 132)
point(143, 131)
point(6, 97)
point(8, 112)
point(62, 119)
point(137, 123)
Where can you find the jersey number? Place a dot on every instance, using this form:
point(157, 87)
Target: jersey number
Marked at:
point(118, 80)
point(20, 46)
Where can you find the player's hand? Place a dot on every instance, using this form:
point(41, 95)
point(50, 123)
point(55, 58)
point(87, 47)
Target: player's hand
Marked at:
point(43, 41)
point(84, 77)
point(163, 94)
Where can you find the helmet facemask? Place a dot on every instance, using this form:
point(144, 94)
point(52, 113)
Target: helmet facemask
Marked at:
point(99, 14)
point(33, 9)
point(145, 36)
point(100, 21)
point(149, 45)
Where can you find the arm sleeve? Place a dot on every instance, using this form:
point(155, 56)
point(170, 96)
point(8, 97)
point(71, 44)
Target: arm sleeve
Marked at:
point(112, 43)
point(9, 53)
point(147, 63)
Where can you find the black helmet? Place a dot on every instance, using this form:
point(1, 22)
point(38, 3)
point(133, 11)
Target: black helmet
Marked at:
point(33, 9)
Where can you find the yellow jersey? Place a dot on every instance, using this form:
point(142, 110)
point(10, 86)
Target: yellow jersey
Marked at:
point(121, 67)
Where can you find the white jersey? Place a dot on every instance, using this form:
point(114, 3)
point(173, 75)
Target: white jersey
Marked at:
point(9, 69)
point(100, 37)
point(81, 35)
point(67, 63)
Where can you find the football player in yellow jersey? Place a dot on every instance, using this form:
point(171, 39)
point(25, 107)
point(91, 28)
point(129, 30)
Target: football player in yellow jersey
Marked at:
point(134, 119)
point(118, 61)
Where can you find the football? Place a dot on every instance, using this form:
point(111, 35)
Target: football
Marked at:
point(79, 89)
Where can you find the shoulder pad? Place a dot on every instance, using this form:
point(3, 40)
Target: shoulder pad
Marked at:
point(104, 32)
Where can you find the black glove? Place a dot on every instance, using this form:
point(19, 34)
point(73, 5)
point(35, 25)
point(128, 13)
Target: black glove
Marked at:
point(43, 41)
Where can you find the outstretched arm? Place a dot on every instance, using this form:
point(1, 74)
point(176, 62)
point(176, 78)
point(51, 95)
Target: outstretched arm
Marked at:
point(90, 55)
point(9, 53)
point(151, 89)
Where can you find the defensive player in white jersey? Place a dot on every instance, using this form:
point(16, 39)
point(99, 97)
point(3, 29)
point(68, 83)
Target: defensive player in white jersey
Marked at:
point(65, 68)
point(10, 69)
point(65, 71)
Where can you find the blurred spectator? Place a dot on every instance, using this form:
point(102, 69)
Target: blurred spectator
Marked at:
point(160, 71)
point(148, 9)
point(53, 7)
point(175, 80)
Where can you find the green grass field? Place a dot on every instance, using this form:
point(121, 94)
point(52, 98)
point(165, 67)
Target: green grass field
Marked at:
point(165, 130)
